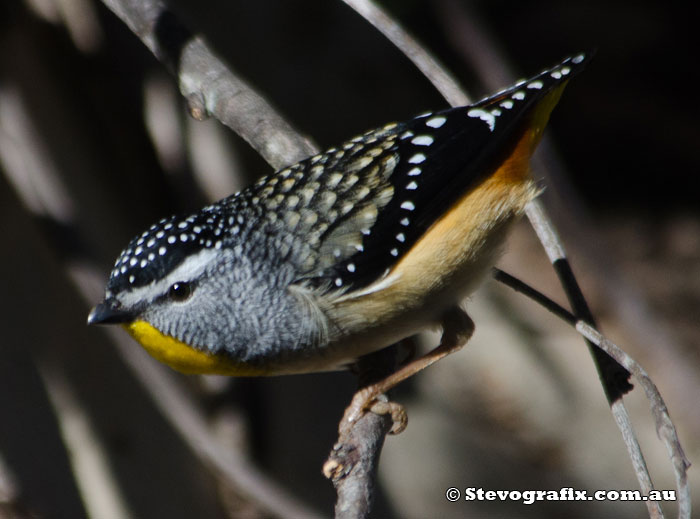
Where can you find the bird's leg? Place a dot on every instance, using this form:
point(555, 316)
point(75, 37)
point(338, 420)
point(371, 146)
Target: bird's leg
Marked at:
point(457, 329)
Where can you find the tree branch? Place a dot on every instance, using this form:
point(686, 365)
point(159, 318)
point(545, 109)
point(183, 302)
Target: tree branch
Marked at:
point(210, 86)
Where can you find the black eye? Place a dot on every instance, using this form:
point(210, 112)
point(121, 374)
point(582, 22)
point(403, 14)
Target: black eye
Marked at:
point(180, 291)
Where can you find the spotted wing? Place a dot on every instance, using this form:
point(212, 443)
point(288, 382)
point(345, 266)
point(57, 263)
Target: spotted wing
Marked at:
point(374, 197)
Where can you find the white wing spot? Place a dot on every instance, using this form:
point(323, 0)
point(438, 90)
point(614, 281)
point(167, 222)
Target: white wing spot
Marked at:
point(537, 85)
point(565, 71)
point(394, 252)
point(406, 135)
point(172, 239)
point(417, 158)
point(412, 185)
point(408, 205)
point(436, 122)
point(423, 140)
point(405, 222)
point(555, 74)
point(507, 104)
point(484, 116)
point(414, 172)
point(577, 59)
point(351, 267)
point(338, 282)
point(401, 237)
point(519, 95)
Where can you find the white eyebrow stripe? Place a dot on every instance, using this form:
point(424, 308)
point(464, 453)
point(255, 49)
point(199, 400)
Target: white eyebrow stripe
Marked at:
point(188, 270)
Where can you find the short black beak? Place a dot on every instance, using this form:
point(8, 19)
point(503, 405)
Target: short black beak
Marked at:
point(105, 313)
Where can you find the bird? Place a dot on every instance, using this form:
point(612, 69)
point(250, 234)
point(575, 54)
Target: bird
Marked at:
point(343, 253)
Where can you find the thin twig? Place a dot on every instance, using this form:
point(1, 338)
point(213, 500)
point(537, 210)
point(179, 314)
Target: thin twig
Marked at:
point(210, 86)
point(664, 426)
point(431, 68)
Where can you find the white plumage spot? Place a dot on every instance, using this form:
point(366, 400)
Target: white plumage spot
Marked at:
point(414, 172)
point(565, 71)
point(338, 282)
point(172, 239)
point(406, 135)
point(162, 251)
point(183, 237)
point(401, 237)
point(394, 252)
point(484, 116)
point(436, 122)
point(423, 140)
point(537, 85)
point(351, 267)
point(412, 185)
point(507, 104)
point(417, 158)
point(519, 95)
point(408, 205)
point(405, 222)
point(577, 59)
point(556, 74)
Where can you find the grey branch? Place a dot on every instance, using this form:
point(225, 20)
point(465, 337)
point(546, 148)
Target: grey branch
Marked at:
point(210, 86)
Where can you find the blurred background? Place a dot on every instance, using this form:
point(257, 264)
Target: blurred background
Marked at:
point(96, 144)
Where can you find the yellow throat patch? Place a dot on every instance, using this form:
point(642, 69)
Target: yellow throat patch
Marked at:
point(185, 358)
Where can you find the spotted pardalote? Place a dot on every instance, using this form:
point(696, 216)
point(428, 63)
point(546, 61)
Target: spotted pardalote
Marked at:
point(343, 253)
